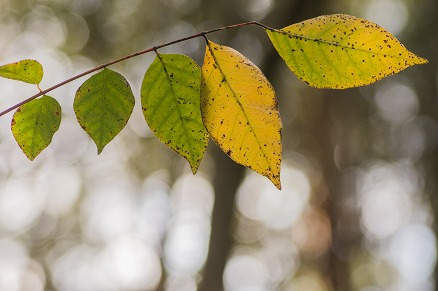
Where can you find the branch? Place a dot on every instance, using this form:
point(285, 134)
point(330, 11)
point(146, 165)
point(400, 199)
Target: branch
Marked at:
point(200, 34)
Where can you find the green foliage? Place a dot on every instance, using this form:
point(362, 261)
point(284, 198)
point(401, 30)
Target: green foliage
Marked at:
point(29, 71)
point(103, 105)
point(34, 124)
point(170, 103)
point(229, 100)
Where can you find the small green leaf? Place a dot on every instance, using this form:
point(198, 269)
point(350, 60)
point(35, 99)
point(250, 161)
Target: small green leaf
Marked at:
point(103, 105)
point(34, 124)
point(341, 51)
point(170, 100)
point(29, 71)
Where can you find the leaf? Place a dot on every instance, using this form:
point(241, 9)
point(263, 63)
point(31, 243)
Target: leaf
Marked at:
point(103, 105)
point(341, 51)
point(29, 71)
point(34, 124)
point(240, 111)
point(170, 102)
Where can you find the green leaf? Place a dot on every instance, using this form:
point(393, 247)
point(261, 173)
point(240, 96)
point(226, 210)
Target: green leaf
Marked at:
point(34, 124)
point(170, 101)
point(341, 51)
point(29, 71)
point(103, 105)
point(240, 111)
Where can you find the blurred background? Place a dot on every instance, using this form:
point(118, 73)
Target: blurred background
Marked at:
point(359, 202)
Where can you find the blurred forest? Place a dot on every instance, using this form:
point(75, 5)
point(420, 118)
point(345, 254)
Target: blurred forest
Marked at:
point(359, 202)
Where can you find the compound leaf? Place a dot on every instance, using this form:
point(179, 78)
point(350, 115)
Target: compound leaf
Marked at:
point(341, 51)
point(29, 71)
point(34, 124)
point(170, 102)
point(240, 111)
point(103, 105)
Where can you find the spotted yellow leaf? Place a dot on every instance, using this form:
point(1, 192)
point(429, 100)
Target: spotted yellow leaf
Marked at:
point(341, 51)
point(239, 110)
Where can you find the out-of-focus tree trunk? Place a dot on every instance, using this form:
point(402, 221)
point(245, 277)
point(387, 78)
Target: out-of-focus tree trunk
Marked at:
point(227, 179)
point(337, 268)
point(229, 174)
point(319, 147)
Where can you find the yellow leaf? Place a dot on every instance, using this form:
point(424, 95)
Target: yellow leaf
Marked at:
point(240, 111)
point(341, 51)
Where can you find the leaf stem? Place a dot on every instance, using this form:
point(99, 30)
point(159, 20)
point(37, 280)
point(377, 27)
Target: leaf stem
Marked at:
point(102, 66)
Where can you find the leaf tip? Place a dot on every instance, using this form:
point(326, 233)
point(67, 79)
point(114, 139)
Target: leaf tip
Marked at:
point(99, 145)
point(31, 157)
point(194, 164)
point(100, 149)
point(422, 61)
point(194, 169)
point(276, 181)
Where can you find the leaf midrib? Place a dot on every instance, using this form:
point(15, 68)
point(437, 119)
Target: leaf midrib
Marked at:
point(326, 42)
point(174, 97)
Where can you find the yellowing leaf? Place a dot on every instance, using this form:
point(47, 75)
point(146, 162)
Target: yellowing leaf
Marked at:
point(341, 51)
point(170, 102)
point(240, 111)
point(29, 71)
point(103, 105)
point(34, 124)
